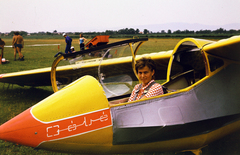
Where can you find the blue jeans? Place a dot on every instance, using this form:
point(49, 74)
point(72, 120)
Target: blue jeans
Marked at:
point(68, 49)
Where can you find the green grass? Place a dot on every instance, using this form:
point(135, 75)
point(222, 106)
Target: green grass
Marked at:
point(15, 99)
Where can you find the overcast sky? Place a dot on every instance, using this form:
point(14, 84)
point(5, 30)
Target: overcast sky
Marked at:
point(101, 15)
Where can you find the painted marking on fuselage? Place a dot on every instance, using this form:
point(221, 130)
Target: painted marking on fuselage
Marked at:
point(49, 129)
point(80, 124)
point(71, 126)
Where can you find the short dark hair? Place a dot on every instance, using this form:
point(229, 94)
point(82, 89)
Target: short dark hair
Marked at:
point(16, 33)
point(141, 63)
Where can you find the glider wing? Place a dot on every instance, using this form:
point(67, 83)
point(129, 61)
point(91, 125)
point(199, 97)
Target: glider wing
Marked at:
point(225, 48)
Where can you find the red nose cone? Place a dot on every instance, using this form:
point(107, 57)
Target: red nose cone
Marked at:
point(22, 129)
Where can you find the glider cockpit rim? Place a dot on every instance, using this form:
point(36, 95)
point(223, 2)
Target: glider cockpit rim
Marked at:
point(62, 56)
point(53, 72)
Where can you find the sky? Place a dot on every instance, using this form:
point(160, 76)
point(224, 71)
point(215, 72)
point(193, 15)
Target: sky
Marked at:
point(101, 15)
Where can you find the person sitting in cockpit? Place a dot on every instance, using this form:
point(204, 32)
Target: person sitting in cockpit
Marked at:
point(145, 68)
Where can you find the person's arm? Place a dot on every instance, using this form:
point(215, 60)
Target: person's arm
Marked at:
point(84, 40)
point(14, 41)
point(118, 101)
point(2, 43)
point(22, 42)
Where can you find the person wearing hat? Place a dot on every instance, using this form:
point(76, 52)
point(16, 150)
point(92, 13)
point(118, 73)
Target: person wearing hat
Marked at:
point(72, 49)
point(68, 41)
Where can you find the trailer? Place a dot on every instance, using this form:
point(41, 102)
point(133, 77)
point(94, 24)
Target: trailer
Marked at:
point(97, 41)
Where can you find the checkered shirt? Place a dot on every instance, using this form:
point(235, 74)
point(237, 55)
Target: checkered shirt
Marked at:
point(155, 90)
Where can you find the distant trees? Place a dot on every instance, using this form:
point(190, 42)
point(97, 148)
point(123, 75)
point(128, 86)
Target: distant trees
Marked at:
point(183, 32)
point(204, 32)
point(218, 31)
point(145, 31)
point(22, 33)
point(128, 32)
point(49, 33)
point(123, 31)
point(137, 31)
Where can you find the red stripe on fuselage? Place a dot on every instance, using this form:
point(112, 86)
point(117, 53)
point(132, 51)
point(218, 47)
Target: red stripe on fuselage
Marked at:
point(24, 129)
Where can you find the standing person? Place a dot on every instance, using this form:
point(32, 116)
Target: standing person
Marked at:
point(145, 68)
point(14, 42)
point(18, 44)
point(82, 41)
point(68, 41)
point(2, 43)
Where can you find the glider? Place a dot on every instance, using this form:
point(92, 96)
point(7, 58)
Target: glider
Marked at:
point(200, 106)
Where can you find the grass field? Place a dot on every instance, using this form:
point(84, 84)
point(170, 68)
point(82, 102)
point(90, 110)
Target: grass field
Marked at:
point(15, 99)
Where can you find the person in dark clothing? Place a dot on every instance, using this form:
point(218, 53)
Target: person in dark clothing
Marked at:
point(68, 41)
point(2, 43)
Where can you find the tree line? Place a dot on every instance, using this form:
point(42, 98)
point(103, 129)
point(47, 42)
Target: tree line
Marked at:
point(129, 32)
point(146, 31)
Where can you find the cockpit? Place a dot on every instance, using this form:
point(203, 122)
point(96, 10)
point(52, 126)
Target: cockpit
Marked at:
point(187, 67)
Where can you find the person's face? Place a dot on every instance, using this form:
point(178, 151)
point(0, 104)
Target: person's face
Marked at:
point(145, 75)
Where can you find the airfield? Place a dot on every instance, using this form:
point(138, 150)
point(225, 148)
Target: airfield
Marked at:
point(15, 99)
